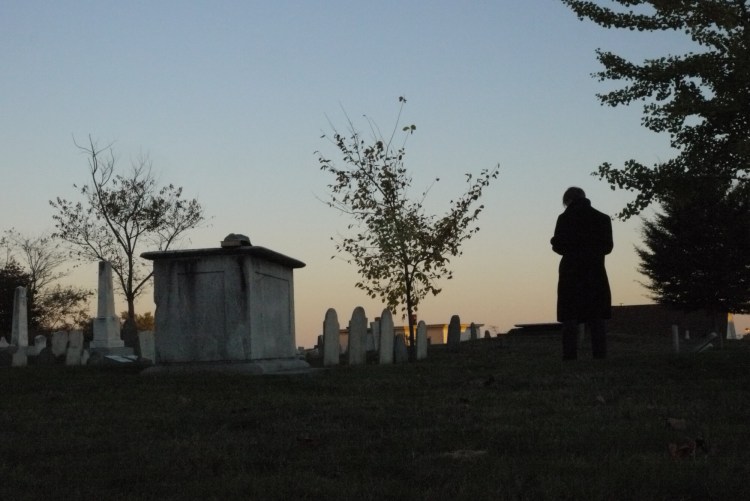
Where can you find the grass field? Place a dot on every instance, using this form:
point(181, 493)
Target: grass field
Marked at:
point(502, 419)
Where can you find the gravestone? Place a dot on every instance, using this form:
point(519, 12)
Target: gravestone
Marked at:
point(45, 357)
point(400, 352)
point(454, 333)
point(146, 346)
point(331, 346)
point(375, 330)
point(421, 340)
point(20, 327)
point(75, 348)
point(40, 343)
point(106, 323)
point(487, 335)
point(473, 332)
point(357, 333)
point(232, 305)
point(59, 343)
point(386, 338)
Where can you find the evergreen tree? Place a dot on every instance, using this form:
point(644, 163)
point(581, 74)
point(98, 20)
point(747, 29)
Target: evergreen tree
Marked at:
point(696, 253)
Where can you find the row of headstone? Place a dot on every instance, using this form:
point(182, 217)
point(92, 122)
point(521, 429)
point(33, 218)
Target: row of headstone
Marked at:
point(70, 346)
point(380, 337)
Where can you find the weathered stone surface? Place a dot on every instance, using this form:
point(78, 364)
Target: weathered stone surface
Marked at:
point(73, 357)
point(385, 355)
point(331, 346)
point(59, 343)
point(40, 343)
point(146, 346)
point(20, 328)
point(454, 334)
point(106, 323)
point(400, 351)
point(223, 304)
point(421, 340)
point(357, 333)
point(75, 340)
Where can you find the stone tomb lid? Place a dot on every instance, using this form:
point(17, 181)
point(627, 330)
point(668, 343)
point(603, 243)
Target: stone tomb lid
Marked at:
point(254, 251)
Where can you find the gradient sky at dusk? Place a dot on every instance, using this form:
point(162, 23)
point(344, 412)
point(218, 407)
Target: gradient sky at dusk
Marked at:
point(230, 99)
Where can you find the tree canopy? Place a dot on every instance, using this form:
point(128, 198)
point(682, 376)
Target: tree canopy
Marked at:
point(121, 214)
point(401, 252)
point(701, 99)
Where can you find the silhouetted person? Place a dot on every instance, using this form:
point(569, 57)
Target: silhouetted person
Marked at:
point(583, 236)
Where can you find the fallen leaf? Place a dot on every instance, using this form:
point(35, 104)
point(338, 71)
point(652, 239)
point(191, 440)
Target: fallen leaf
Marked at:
point(677, 424)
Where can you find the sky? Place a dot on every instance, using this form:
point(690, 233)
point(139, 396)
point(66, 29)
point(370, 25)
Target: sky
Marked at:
point(229, 100)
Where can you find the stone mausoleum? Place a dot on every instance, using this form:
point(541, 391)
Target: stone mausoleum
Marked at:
point(231, 306)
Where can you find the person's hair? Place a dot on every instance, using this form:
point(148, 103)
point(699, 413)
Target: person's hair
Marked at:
point(571, 194)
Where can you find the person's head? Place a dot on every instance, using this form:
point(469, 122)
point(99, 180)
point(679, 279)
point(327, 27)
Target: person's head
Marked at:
point(572, 194)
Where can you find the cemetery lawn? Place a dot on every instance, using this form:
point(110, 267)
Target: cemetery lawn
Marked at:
point(502, 419)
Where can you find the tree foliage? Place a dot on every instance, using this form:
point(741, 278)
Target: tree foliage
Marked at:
point(120, 214)
point(701, 99)
point(51, 306)
point(400, 251)
point(696, 253)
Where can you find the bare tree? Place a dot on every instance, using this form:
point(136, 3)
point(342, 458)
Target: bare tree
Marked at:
point(121, 214)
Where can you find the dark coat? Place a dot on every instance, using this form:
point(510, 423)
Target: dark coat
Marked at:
point(583, 236)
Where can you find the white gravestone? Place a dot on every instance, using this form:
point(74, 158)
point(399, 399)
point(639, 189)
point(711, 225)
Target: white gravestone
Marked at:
point(357, 333)
point(20, 328)
point(421, 340)
point(75, 348)
point(147, 346)
point(40, 343)
point(106, 323)
point(386, 338)
point(331, 347)
point(59, 343)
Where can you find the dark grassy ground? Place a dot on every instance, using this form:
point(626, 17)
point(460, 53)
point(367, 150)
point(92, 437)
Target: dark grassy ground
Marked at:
point(503, 419)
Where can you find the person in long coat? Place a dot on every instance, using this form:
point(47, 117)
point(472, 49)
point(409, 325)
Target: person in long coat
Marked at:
point(583, 236)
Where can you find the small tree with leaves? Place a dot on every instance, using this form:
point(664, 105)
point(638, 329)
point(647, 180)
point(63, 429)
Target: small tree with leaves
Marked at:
point(122, 214)
point(701, 99)
point(51, 305)
point(696, 253)
point(400, 251)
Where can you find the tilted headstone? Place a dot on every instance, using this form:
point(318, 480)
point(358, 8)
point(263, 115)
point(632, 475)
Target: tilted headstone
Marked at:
point(331, 346)
point(20, 327)
point(147, 346)
point(400, 351)
point(421, 340)
point(385, 355)
point(106, 323)
point(454, 333)
point(357, 332)
point(59, 343)
point(75, 348)
point(473, 332)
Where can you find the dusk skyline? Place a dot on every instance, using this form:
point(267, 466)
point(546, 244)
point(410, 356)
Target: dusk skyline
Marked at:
point(230, 99)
